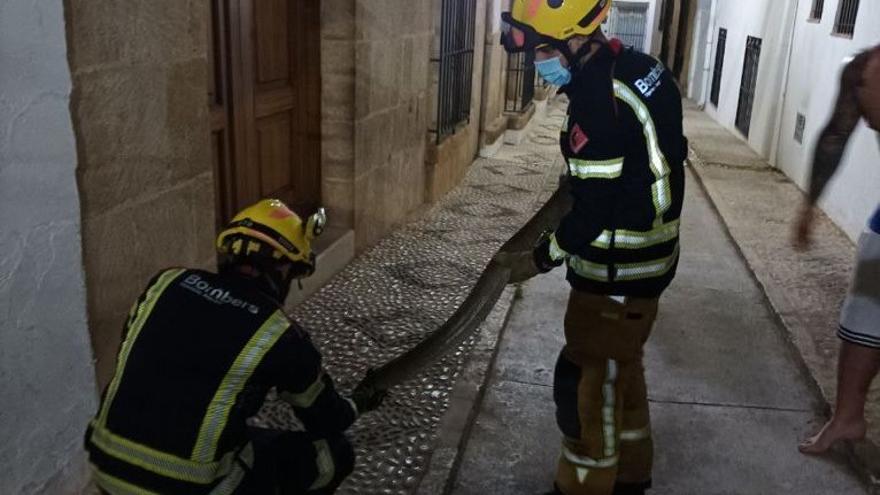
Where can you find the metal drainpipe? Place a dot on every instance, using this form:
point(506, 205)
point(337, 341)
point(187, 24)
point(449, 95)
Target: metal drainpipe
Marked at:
point(710, 43)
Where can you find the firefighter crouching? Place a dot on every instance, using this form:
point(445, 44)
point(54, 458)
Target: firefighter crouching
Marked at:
point(200, 351)
point(624, 147)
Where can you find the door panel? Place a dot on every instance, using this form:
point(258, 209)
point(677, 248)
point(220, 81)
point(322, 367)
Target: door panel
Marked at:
point(268, 127)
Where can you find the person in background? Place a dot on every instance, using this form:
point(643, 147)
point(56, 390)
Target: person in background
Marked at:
point(859, 359)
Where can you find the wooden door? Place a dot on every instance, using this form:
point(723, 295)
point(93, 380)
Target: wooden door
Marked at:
point(266, 103)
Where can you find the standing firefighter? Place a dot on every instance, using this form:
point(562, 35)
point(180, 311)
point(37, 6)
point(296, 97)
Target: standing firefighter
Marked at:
point(625, 150)
point(199, 354)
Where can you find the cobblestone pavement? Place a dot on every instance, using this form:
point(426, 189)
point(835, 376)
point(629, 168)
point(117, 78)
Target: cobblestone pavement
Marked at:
point(399, 291)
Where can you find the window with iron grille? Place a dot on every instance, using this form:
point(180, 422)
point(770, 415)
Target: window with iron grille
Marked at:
point(455, 63)
point(520, 81)
point(749, 85)
point(847, 12)
point(816, 11)
point(719, 66)
point(628, 23)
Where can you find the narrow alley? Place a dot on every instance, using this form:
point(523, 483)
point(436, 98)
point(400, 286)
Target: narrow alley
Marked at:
point(287, 246)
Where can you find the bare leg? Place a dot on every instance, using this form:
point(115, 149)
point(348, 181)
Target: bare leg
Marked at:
point(857, 366)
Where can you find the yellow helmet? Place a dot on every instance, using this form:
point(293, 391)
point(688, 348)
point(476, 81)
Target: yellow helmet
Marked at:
point(531, 23)
point(271, 229)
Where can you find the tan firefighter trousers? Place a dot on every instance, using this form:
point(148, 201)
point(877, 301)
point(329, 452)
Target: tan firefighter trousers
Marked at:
point(600, 394)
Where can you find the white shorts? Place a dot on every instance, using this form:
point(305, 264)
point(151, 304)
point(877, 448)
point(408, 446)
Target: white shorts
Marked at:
point(860, 316)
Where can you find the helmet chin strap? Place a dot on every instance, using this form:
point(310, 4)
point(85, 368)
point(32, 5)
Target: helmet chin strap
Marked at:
point(576, 59)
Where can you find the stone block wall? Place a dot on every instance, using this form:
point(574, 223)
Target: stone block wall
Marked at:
point(392, 50)
point(374, 67)
point(140, 114)
point(47, 383)
point(492, 119)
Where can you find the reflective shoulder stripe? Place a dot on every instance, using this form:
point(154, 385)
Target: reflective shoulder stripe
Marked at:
point(596, 169)
point(224, 398)
point(116, 486)
point(661, 189)
point(139, 316)
point(649, 269)
point(306, 398)
point(556, 252)
point(326, 466)
point(588, 462)
point(159, 462)
point(633, 239)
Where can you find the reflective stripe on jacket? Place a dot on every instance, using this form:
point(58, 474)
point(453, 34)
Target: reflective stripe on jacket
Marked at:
point(199, 354)
point(625, 150)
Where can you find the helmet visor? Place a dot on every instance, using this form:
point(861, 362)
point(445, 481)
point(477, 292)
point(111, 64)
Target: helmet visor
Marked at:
point(517, 37)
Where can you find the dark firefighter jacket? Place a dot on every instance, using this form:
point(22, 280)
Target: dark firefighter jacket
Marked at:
point(624, 147)
point(199, 354)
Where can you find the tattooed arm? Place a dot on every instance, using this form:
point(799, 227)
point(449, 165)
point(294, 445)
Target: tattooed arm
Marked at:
point(832, 141)
point(831, 145)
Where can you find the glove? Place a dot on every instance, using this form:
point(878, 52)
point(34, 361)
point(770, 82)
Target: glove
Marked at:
point(521, 264)
point(541, 255)
point(366, 396)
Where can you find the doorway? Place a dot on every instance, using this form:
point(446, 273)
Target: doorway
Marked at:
point(265, 98)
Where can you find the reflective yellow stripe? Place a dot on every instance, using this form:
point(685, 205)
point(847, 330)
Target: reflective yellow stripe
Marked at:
point(608, 424)
point(556, 252)
point(632, 271)
point(142, 314)
point(307, 398)
point(116, 486)
point(588, 462)
point(596, 169)
point(248, 359)
point(650, 269)
point(635, 435)
point(661, 190)
point(326, 467)
point(160, 462)
point(633, 239)
point(588, 269)
point(230, 483)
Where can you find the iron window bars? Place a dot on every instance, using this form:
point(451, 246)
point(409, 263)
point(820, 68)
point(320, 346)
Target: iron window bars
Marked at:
point(520, 81)
point(455, 65)
point(847, 12)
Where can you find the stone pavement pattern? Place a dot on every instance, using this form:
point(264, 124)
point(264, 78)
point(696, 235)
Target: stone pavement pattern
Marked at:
point(394, 295)
point(758, 205)
point(728, 399)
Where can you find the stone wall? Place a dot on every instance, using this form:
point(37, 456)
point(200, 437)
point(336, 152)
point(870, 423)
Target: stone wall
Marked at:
point(47, 383)
point(392, 48)
point(145, 175)
point(492, 118)
point(375, 111)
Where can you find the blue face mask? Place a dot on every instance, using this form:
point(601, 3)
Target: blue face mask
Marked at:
point(553, 72)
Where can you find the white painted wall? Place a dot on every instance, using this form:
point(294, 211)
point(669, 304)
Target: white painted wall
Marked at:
point(700, 70)
point(47, 385)
point(771, 21)
point(817, 59)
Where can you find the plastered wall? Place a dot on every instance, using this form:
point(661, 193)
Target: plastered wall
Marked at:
point(47, 383)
